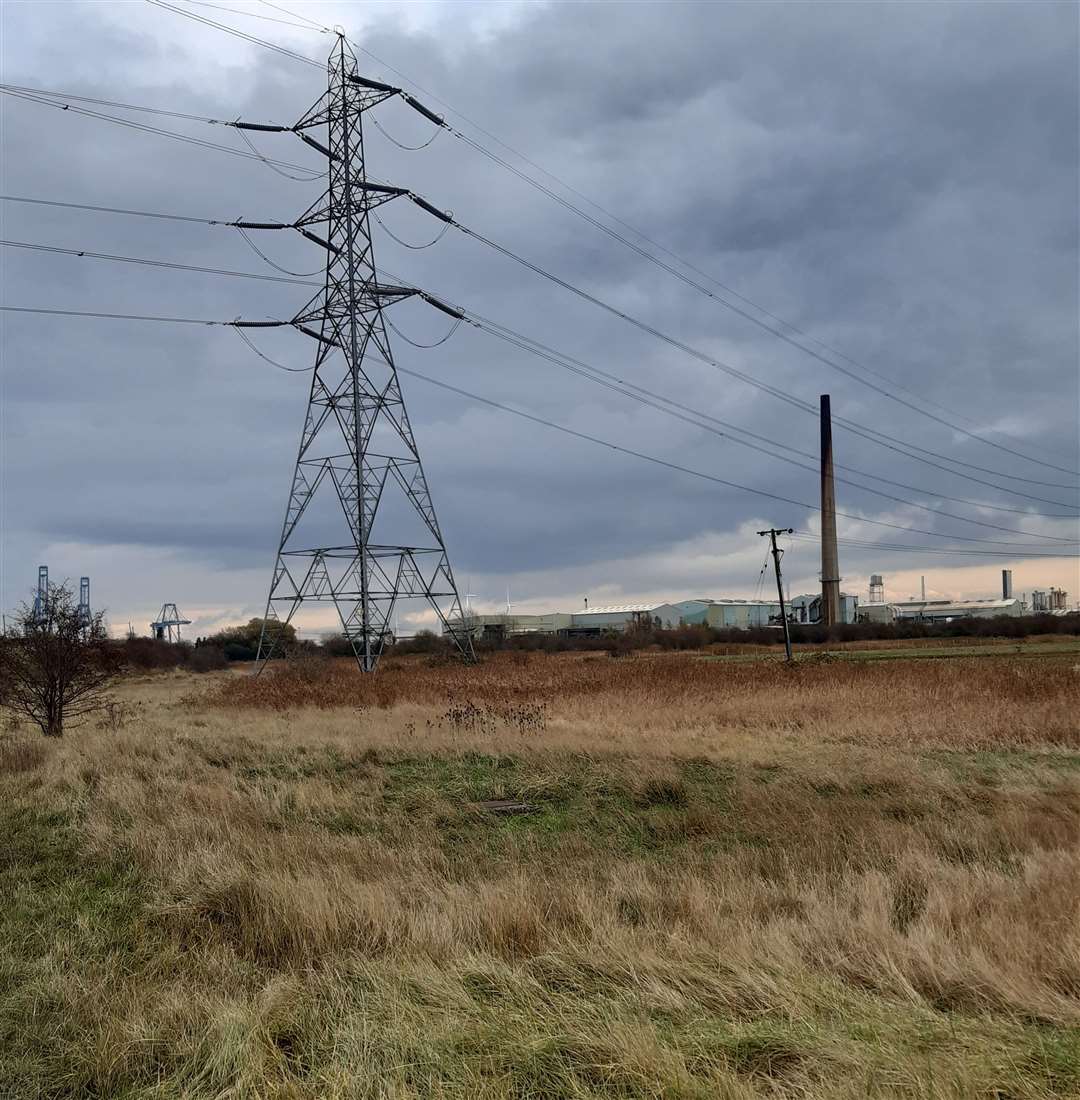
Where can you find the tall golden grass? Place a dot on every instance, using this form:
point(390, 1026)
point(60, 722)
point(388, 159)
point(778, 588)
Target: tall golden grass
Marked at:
point(740, 880)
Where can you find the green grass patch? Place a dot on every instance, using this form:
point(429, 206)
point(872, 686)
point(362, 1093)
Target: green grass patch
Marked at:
point(62, 914)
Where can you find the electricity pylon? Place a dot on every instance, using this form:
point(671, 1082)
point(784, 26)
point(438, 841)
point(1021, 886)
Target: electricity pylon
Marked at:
point(381, 543)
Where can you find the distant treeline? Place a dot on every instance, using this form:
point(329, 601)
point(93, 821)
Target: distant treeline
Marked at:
point(242, 643)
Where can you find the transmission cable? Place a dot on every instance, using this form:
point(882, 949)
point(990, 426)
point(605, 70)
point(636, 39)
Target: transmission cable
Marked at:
point(111, 316)
point(599, 377)
point(64, 106)
point(266, 358)
point(236, 33)
point(761, 578)
point(408, 148)
point(647, 255)
point(266, 259)
point(80, 252)
point(311, 178)
point(249, 14)
point(45, 93)
point(311, 22)
point(308, 177)
point(405, 244)
point(769, 328)
point(424, 347)
point(769, 452)
point(494, 328)
point(705, 358)
point(111, 210)
point(700, 473)
point(691, 416)
point(548, 423)
point(711, 477)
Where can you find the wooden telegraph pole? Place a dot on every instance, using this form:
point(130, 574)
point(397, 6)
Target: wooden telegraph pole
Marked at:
point(777, 554)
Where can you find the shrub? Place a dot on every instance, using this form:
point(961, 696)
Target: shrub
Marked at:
point(208, 658)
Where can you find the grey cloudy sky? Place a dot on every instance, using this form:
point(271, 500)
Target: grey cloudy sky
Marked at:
point(897, 180)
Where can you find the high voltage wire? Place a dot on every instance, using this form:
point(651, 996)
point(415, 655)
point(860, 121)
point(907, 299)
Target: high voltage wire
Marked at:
point(878, 439)
point(520, 259)
point(648, 397)
point(81, 252)
point(774, 331)
point(718, 364)
point(237, 33)
point(598, 376)
point(648, 255)
point(187, 138)
point(113, 210)
point(853, 428)
point(797, 403)
point(248, 14)
point(700, 473)
point(1026, 547)
point(884, 547)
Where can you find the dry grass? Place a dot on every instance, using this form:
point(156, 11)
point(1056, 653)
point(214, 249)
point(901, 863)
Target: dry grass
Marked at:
point(839, 881)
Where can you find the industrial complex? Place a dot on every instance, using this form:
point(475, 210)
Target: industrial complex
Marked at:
point(722, 614)
point(719, 614)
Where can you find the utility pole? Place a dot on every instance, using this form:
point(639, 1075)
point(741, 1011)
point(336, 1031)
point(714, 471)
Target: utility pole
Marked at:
point(777, 554)
point(360, 529)
point(830, 564)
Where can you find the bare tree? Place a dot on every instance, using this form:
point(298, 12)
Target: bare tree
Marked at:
point(56, 662)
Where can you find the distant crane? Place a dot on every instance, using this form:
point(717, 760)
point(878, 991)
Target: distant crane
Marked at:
point(168, 620)
point(41, 600)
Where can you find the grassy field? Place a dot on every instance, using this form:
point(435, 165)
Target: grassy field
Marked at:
point(844, 879)
point(913, 649)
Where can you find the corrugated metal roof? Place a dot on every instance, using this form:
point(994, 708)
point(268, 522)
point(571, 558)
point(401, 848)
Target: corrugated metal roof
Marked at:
point(620, 609)
point(952, 605)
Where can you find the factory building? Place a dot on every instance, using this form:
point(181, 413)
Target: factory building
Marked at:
point(590, 620)
point(939, 611)
point(807, 609)
point(623, 617)
point(505, 624)
point(728, 614)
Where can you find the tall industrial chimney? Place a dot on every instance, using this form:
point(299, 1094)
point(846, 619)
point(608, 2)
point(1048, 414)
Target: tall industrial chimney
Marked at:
point(830, 564)
point(1006, 584)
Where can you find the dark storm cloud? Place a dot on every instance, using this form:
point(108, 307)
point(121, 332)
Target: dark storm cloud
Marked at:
point(897, 180)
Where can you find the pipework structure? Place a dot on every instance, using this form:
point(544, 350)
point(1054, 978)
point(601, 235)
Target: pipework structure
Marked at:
point(381, 543)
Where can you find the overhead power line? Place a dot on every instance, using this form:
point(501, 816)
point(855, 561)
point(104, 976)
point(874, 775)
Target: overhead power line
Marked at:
point(718, 364)
point(851, 427)
point(79, 252)
point(652, 258)
point(594, 374)
point(112, 316)
point(236, 33)
point(699, 473)
point(706, 421)
point(187, 138)
point(248, 14)
point(561, 428)
point(113, 210)
point(279, 165)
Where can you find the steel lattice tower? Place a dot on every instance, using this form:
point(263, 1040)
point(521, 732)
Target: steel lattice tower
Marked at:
point(356, 443)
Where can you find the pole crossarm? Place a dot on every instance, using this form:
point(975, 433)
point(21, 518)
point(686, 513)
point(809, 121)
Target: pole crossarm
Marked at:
point(360, 530)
